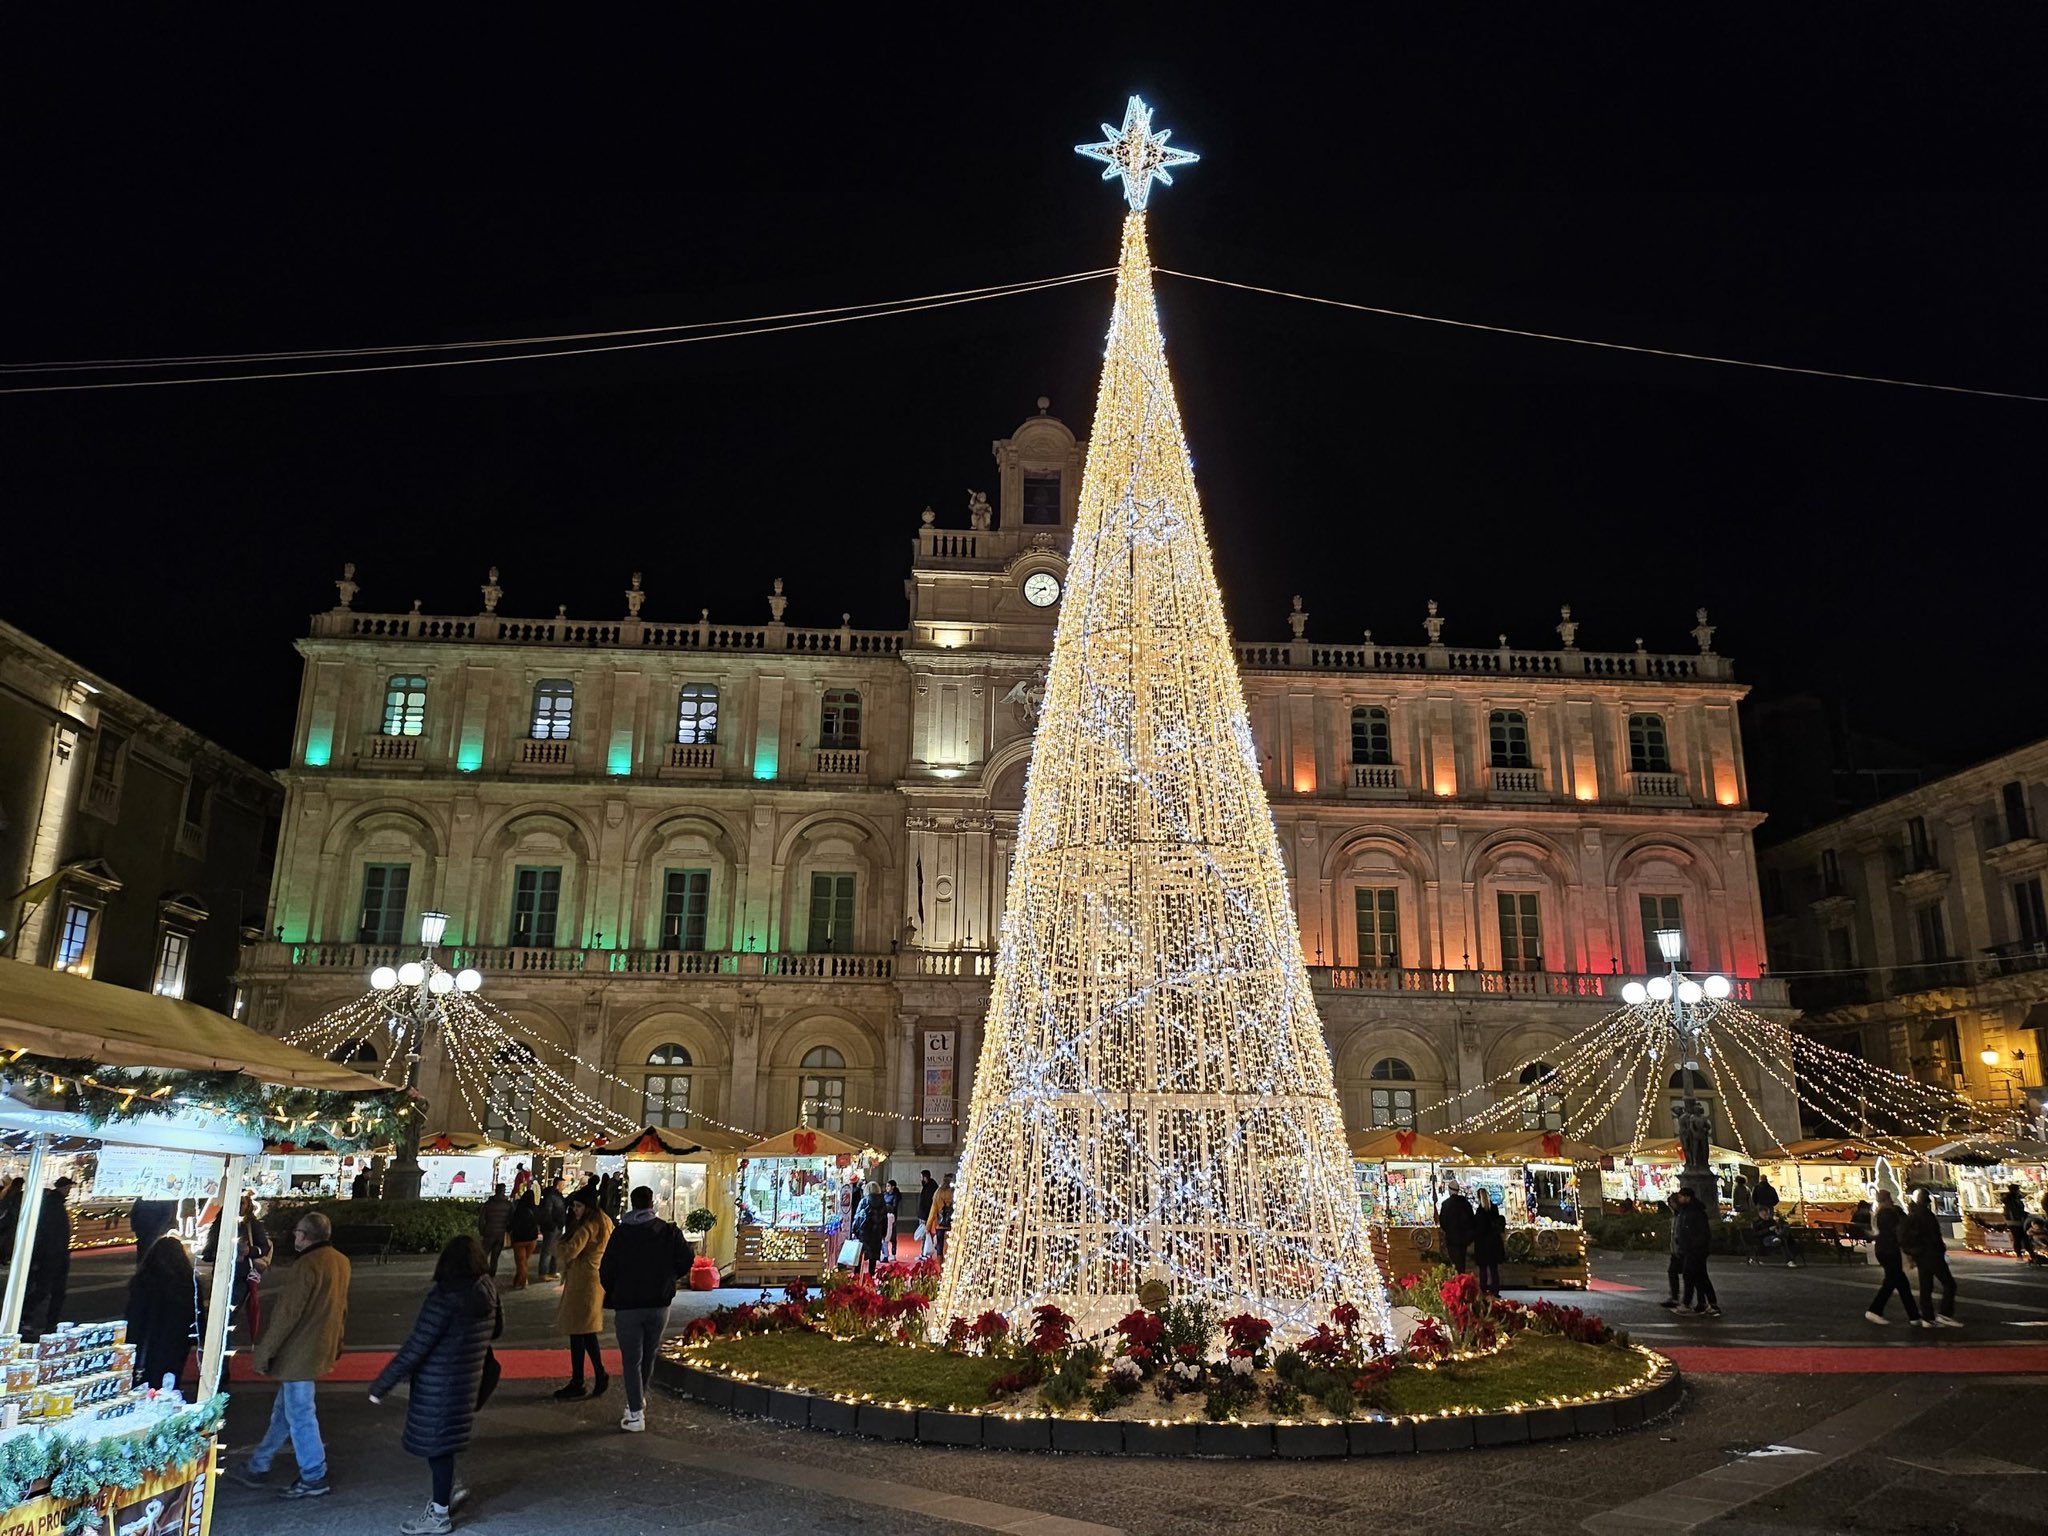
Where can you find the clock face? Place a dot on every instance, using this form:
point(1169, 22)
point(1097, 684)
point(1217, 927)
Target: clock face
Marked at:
point(1041, 589)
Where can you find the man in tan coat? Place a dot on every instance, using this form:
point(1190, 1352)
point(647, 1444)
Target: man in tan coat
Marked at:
point(300, 1343)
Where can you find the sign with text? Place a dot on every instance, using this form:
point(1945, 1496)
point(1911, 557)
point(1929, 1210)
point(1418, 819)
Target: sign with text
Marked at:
point(935, 1128)
point(146, 1173)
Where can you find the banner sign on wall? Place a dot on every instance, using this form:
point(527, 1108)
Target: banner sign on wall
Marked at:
point(936, 1113)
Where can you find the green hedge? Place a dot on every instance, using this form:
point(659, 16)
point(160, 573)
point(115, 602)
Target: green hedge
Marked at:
point(417, 1226)
point(1650, 1232)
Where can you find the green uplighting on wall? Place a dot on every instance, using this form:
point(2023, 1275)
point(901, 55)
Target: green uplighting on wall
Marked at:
point(619, 761)
point(764, 760)
point(319, 747)
point(470, 755)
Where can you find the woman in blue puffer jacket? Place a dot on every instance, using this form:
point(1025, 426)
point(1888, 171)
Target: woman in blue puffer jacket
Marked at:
point(444, 1362)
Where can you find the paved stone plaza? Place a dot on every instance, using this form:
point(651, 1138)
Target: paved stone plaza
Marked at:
point(1897, 1443)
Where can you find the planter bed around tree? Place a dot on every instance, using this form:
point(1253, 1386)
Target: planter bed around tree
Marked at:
point(1446, 1426)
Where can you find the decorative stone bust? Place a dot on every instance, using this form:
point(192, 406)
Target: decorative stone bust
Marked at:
point(980, 515)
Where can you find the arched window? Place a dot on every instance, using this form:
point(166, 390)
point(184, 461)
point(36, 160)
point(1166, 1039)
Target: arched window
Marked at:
point(1649, 751)
point(823, 1089)
point(667, 1099)
point(1372, 742)
point(359, 1054)
point(1543, 1109)
point(508, 1098)
point(1393, 1106)
point(554, 701)
point(405, 705)
point(697, 715)
point(839, 720)
point(1507, 739)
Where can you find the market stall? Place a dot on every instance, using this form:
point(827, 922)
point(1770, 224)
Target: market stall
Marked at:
point(792, 1203)
point(1543, 1183)
point(170, 1097)
point(1985, 1167)
point(464, 1165)
point(1821, 1181)
point(691, 1170)
point(1647, 1175)
point(1399, 1192)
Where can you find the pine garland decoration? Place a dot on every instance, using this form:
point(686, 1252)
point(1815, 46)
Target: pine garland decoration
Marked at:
point(84, 1471)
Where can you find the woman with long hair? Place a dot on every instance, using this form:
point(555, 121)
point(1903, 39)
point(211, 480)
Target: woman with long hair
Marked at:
point(581, 1313)
point(444, 1362)
point(163, 1311)
point(252, 1258)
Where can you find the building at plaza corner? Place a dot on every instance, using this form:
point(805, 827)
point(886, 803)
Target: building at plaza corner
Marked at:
point(1916, 930)
point(754, 872)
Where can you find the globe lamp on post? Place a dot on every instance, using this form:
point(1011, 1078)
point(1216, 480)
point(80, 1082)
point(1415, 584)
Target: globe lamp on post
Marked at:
point(1690, 1000)
point(415, 993)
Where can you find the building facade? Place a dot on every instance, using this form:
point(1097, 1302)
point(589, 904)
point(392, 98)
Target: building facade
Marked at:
point(131, 848)
point(759, 869)
point(1915, 933)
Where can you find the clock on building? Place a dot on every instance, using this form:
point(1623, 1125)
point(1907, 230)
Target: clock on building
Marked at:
point(1041, 589)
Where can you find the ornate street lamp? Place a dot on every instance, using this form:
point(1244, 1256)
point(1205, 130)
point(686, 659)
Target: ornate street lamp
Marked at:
point(1691, 1002)
point(414, 993)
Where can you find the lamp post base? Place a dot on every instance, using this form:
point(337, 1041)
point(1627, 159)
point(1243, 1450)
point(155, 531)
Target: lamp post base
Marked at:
point(402, 1179)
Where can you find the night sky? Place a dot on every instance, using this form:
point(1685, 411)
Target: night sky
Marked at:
point(1863, 189)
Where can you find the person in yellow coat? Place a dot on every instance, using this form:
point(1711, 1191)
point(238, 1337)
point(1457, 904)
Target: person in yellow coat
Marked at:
point(581, 1314)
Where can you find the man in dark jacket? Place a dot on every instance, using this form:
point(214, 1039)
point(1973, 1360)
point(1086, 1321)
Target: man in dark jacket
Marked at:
point(1454, 1220)
point(554, 1212)
point(1694, 1236)
point(1674, 1272)
point(646, 1259)
point(49, 1264)
point(1920, 1240)
point(491, 1221)
point(2016, 1222)
point(1887, 1220)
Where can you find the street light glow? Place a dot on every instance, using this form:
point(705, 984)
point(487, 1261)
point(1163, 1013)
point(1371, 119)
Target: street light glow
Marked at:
point(383, 978)
point(1634, 993)
point(1670, 944)
point(412, 973)
point(1716, 986)
point(1660, 988)
point(440, 983)
point(467, 980)
point(432, 926)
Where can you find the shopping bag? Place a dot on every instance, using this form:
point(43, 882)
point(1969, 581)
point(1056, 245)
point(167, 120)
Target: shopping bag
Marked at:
point(918, 1235)
point(849, 1252)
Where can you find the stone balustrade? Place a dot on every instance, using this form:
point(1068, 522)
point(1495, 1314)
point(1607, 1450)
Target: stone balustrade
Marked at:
point(1303, 656)
point(839, 763)
point(625, 634)
point(1756, 991)
point(359, 960)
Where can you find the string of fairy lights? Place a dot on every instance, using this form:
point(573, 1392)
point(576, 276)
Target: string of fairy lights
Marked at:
point(1154, 1098)
point(1635, 1049)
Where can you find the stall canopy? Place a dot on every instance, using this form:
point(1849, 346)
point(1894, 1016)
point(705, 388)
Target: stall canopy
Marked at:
point(55, 1014)
point(474, 1143)
point(1989, 1151)
point(805, 1143)
point(1671, 1152)
point(1389, 1145)
point(665, 1141)
point(1528, 1147)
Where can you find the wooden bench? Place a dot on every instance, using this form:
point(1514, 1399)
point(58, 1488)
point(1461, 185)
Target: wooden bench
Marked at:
point(364, 1241)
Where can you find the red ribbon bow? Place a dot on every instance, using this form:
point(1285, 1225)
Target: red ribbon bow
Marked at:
point(806, 1142)
point(1553, 1144)
point(1404, 1142)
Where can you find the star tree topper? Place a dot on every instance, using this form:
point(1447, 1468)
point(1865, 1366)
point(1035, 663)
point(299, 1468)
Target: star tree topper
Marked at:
point(1136, 153)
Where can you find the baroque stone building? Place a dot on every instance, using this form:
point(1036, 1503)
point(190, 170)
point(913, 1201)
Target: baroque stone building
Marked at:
point(132, 849)
point(1922, 931)
point(758, 869)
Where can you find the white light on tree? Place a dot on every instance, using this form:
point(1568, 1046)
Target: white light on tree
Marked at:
point(1154, 1098)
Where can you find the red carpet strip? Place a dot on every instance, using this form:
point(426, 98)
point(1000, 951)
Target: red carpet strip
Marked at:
point(1928, 1357)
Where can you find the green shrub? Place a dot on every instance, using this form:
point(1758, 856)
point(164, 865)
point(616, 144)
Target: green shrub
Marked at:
point(1650, 1232)
point(417, 1226)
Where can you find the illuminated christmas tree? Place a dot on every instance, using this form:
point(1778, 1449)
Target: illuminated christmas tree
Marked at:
point(1154, 1099)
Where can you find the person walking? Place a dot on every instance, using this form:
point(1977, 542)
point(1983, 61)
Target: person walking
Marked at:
point(554, 1210)
point(870, 1221)
point(443, 1360)
point(940, 1222)
point(892, 1207)
point(492, 1217)
point(2016, 1222)
point(298, 1346)
point(1740, 1197)
point(49, 1264)
point(522, 1231)
point(162, 1311)
point(1887, 1219)
point(927, 1191)
point(1674, 1272)
point(1920, 1240)
point(359, 1186)
point(252, 1256)
point(643, 1264)
point(1489, 1243)
point(1454, 1221)
point(1695, 1237)
point(581, 1313)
